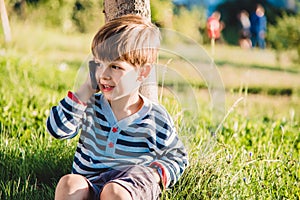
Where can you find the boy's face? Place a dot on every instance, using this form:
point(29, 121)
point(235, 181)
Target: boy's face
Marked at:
point(117, 79)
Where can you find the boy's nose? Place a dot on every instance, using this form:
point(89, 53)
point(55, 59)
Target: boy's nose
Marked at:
point(103, 72)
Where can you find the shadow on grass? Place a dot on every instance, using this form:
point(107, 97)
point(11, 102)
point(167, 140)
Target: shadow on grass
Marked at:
point(30, 173)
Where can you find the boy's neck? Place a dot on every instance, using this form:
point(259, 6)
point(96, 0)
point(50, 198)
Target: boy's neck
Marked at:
point(126, 106)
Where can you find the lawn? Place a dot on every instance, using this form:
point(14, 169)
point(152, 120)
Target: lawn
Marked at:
point(253, 155)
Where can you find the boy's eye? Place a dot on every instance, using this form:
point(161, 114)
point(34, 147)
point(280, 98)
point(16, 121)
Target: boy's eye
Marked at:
point(115, 67)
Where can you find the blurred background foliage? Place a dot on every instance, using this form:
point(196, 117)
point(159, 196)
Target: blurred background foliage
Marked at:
point(285, 34)
point(69, 15)
point(84, 15)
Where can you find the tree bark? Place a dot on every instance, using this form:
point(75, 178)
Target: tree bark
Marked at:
point(5, 22)
point(117, 8)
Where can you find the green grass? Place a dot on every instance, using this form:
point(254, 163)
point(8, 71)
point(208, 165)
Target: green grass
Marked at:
point(255, 155)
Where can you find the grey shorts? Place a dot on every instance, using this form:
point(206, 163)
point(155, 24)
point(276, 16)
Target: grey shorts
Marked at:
point(139, 181)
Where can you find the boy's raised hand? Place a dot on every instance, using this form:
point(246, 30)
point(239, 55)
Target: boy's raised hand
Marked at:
point(86, 90)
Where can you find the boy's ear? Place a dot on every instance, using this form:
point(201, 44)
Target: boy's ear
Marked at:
point(145, 70)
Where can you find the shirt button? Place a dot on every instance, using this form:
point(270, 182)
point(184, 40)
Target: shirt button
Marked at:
point(114, 129)
point(111, 145)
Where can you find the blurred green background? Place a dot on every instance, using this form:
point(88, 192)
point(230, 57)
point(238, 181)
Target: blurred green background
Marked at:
point(256, 152)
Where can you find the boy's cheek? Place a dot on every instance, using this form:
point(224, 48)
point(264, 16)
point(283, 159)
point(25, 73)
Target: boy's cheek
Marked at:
point(127, 84)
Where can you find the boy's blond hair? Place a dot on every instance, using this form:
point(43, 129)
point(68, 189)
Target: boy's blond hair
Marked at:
point(129, 38)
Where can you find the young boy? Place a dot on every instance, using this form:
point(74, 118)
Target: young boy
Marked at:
point(128, 147)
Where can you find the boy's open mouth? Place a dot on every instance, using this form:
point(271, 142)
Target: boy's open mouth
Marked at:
point(106, 87)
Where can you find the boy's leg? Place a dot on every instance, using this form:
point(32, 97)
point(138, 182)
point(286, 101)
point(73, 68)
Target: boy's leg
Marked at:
point(114, 191)
point(71, 187)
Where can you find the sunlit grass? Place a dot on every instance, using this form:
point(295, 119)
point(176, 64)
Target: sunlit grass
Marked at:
point(255, 155)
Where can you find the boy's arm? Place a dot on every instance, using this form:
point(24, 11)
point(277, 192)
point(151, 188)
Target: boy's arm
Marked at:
point(172, 157)
point(65, 118)
point(172, 163)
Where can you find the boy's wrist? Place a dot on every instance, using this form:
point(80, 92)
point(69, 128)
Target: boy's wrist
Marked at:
point(84, 93)
point(156, 175)
point(161, 172)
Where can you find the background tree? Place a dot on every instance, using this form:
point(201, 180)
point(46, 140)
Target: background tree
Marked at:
point(5, 22)
point(285, 35)
point(117, 8)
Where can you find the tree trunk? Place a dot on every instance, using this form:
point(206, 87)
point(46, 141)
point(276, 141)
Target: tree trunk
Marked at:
point(117, 8)
point(5, 22)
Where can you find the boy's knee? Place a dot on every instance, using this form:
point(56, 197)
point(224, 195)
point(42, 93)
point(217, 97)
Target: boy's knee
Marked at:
point(114, 191)
point(69, 181)
point(72, 185)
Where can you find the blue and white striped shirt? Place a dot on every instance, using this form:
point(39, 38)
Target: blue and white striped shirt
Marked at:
point(143, 138)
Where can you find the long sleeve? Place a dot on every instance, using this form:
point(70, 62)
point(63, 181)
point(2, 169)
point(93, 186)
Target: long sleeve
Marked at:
point(65, 119)
point(145, 138)
point(173, 158)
